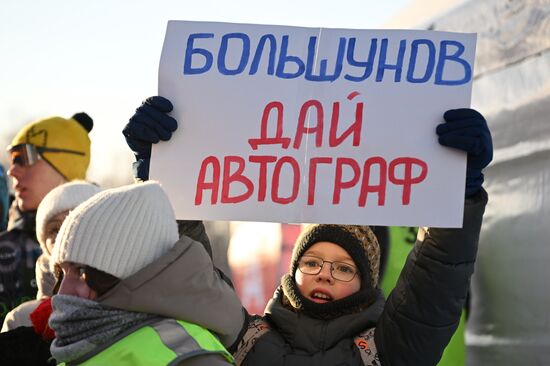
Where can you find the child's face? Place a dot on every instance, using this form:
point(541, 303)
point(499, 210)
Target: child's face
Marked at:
point(323, 287)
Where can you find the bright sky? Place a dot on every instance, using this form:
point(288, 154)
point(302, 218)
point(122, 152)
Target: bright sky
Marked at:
point(64, 56)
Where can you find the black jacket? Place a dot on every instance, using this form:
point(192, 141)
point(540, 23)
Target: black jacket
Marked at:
point(423, 311)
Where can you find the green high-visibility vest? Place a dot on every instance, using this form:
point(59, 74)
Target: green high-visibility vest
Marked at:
point(401, 241)
point(164, 342)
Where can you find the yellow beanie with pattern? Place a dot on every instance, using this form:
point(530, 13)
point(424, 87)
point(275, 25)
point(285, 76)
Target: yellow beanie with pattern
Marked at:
point(65, 134)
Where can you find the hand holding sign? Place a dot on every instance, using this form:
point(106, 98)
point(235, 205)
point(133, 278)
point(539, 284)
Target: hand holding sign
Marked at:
point(147, 126)
point(466, 129)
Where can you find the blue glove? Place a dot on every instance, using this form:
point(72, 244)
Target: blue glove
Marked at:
point(466, 129)
point(148, 125)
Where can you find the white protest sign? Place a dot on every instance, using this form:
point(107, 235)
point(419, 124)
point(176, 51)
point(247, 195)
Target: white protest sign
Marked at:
point(290, 124)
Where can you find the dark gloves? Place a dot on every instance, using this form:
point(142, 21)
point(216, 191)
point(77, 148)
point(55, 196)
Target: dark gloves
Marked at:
point(148, 125)
point(466, 129)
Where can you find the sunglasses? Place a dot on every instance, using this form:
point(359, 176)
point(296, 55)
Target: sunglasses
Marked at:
point(27, 154)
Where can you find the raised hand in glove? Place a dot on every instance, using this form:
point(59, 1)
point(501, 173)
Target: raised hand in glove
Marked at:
point(466, 129)
point(149, 125)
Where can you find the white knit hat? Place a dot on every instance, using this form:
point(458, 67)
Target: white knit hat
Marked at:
point(118, 231)
point(62, 198)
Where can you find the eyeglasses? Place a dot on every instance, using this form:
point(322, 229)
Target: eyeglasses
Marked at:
point(27, 154)
point(340, 271)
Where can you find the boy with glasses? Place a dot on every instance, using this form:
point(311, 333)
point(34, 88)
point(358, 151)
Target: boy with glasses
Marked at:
point(43, 155)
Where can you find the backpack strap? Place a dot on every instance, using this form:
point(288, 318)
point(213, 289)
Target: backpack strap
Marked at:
point(257, 327)
point(367, 348)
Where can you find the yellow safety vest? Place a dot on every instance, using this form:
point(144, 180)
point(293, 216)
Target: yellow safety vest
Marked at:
point(164, 342)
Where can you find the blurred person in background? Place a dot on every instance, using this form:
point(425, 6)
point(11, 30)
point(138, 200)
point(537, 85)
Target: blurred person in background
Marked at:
point(26, 336)
point(51, 212)
point(43, 155)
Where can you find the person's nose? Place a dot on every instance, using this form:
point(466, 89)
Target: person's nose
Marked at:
point(15, 171)
point(325, 273)
point(68, 287)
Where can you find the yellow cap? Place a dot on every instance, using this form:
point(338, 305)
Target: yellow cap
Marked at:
point(60, 133)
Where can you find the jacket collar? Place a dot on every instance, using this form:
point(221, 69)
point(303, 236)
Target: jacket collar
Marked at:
point(24, 221)
point(311, 334)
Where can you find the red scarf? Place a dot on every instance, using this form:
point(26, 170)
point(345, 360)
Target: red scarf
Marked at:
point(39, 318)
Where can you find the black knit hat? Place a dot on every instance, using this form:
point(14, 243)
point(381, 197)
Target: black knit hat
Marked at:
point(362, 246)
